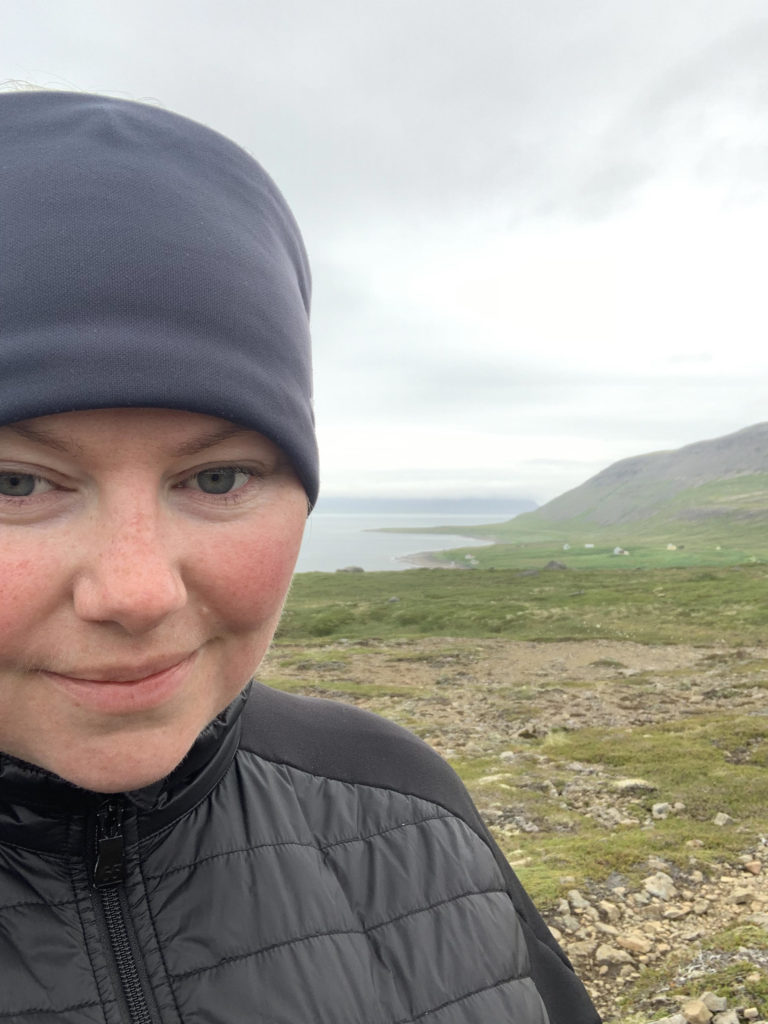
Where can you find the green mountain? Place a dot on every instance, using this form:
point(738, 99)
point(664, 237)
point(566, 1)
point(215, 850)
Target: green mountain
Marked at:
point(708, 499)
point(723, 479)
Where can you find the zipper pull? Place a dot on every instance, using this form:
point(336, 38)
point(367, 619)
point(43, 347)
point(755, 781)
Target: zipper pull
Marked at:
point(109, 867)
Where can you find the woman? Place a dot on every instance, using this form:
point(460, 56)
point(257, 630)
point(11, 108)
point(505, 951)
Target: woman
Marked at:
point(178, 843)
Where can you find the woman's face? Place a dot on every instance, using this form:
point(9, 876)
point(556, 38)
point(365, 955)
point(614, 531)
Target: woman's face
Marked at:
point(145, 555)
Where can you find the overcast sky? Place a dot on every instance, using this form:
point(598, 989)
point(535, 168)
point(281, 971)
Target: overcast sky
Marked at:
point(538, 228)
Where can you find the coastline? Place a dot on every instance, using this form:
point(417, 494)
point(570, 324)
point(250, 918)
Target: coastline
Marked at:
point(427, 560)
point(431, 559)
point(378, 543)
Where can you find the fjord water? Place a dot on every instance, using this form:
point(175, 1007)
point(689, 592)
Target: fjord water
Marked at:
point(333, 540)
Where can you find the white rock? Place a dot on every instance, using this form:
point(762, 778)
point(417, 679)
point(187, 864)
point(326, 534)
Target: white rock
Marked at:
point(609, 910)
point(714, 1002)
point(570, 923)
point(635, 943)
point(728, 1017)
point(695, 1012)
point(582, 948)
point(633, 786)
point(610, 955)
point(577, 901)
point(660, 885)
point(721, 818)
point(607, 929)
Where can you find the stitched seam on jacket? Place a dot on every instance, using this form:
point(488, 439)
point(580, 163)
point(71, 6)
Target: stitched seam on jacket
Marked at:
point(340, 931)
point(62, 858)
point(433, 906)
point(160, 949)
point(390, 828)
point(42, 1009)
point(309, 846)
point(381, 786)
point(228, 853)
point(460, 999)
point(37, 903)
point(266, 949)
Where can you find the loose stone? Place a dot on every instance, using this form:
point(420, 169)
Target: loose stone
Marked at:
point(696, 1012)
point(660, 885)
point(635, 943)
point(721, 818)
point(611, 955)
point(714, 1002)
point(728, 1017)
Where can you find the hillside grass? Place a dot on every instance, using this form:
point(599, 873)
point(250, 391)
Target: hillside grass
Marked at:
point(651, 606)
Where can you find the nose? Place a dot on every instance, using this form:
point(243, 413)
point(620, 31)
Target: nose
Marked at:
point(130, 574)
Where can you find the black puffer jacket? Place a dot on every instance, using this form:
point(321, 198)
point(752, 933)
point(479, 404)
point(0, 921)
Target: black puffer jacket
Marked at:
point(307, 864)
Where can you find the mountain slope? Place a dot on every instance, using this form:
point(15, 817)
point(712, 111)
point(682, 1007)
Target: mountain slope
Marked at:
point(644, 486)
point(710, 493)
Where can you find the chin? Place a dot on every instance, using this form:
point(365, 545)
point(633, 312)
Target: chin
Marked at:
point(121, 771)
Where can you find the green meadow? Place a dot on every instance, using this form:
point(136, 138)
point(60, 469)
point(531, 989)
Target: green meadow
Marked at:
point(651, 606)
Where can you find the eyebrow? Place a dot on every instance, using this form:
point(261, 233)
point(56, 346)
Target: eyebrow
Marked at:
point(193, 446)
point(42, 437)
point(199, 444)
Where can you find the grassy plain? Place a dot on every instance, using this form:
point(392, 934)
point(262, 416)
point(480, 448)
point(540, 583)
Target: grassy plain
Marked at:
point(578, 677)
point(649, 606)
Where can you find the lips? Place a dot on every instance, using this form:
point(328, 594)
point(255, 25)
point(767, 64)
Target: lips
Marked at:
point(125, 674)
point(126, 690)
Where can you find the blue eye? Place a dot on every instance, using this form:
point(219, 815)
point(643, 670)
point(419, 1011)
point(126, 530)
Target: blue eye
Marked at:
point(221, 480)
point(17, 485)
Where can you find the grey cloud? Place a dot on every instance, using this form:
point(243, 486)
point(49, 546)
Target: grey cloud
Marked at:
point(435, 112)
point(431, 107)
point(704, 116)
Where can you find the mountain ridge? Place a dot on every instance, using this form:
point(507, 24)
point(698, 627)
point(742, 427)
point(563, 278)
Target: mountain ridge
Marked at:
point(644, 487)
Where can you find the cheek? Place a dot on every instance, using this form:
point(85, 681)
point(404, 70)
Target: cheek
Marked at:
point(245, 575)
point(29, 583)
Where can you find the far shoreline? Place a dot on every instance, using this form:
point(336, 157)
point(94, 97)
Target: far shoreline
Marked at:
point(427, 560)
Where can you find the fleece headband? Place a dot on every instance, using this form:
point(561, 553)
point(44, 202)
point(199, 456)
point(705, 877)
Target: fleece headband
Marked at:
point(148, 261)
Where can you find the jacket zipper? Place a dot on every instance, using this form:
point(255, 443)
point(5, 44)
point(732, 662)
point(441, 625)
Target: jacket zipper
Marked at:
point(107, 877)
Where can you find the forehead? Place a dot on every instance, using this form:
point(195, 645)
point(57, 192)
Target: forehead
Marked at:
point(169, 431)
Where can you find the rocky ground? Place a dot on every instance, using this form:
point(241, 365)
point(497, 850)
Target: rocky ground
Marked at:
point(616, 930)
point(470, 698)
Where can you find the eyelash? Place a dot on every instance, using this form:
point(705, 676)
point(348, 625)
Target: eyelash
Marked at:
point(224, 498)
point(35, 477)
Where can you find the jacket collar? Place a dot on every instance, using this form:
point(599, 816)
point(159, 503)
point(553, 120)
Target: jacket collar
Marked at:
point(38, 808)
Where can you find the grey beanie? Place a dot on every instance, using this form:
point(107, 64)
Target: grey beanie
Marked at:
point(146, 260)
